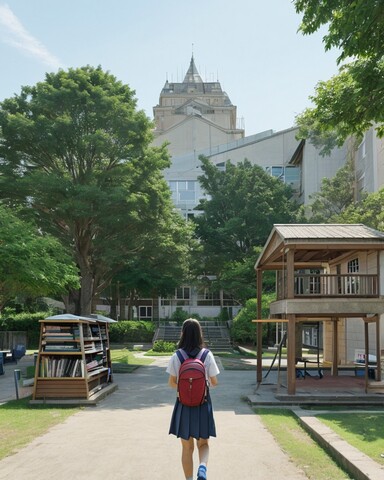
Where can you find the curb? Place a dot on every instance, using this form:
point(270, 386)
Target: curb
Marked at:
point(356, 463)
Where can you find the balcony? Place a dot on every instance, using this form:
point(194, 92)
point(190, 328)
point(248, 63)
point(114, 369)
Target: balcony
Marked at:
point(331, 286)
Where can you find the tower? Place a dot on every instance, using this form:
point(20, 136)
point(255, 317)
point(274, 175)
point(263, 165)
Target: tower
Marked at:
point(194, 115)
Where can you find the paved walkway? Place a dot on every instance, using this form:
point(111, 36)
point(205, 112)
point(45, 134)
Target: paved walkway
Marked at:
point(126, 437)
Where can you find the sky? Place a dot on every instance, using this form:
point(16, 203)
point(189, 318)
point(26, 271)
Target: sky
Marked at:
point(253, 47)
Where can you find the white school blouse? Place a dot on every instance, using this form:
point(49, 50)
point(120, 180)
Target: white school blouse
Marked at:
point(211, 367)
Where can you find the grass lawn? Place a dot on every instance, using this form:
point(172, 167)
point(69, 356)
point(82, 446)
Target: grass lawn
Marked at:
point(363, 430)
point(126, 361)
point(299, 446)
point(20, 423)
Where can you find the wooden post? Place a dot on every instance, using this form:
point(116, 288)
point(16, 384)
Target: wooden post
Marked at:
point(290, 274)
point(378, 350)
point(291, 360)
point(259, 330)
point(335, 349)
point(366, 339)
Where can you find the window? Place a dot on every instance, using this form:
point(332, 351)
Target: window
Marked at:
point(353, 266)
point(183, 191)
point(183, 293)
point(145, 313)
point(289, 174)
point(352, 280)
point(314, 282)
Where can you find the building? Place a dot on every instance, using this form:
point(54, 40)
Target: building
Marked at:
point(329, 274)
point(369, 163)
point(197, 118)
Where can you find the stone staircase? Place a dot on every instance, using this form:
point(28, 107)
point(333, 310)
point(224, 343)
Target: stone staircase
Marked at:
point(216, 336)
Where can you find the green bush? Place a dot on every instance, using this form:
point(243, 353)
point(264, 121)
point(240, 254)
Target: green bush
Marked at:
point(131, 331)
point(179, 315)
point(163, 346)
point(24, 322)
point(243, 330)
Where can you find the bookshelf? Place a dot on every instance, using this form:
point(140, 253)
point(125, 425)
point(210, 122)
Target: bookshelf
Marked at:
point(74, 361)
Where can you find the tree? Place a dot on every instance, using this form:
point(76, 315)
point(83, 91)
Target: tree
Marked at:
point(368, 211)
point(31, 263)
point(356, 27)
point(335, 195)
point(244, 203)
point(350, 102)
point(76, 156)
point(159, 267)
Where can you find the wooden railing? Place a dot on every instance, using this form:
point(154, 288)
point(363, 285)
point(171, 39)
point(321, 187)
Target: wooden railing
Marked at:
point(329, 285)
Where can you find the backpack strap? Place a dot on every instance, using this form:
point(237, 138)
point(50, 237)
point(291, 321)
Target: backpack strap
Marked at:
point(181, 355)
point(202, 355)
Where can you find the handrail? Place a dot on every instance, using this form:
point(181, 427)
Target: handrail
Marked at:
point(334, 285)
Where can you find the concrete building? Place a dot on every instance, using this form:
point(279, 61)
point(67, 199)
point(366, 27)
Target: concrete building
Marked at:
point(369, 163)
point(197, 118)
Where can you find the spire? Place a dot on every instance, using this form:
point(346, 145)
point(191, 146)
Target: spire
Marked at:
point(192, 75)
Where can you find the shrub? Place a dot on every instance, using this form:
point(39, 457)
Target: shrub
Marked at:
point(131, 331)
point(179, 315)
point(163, 346)
point(24, 322)
point(243, 330)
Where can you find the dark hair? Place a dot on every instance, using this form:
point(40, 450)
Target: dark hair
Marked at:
point(191, 338)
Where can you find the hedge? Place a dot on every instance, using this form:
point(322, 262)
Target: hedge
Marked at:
point(131, 331)
point(121, 332)
point(24, 322)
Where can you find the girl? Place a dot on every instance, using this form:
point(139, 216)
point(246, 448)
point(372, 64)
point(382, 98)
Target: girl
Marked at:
point(189, 423)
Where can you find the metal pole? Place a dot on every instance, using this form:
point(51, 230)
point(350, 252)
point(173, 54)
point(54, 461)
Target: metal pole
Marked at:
point(17, 377)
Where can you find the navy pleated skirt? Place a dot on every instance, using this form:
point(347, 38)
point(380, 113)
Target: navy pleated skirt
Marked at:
point(196, 422)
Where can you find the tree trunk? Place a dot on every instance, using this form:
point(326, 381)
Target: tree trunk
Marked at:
point(131, 304)
point(86, 293)
point(71, 302)
point(113, 309)
point(122, 315)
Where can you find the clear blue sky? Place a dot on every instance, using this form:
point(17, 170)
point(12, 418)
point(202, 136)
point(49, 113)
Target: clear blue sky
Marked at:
point(252, 47)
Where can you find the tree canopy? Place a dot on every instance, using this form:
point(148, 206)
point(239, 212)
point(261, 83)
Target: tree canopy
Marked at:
point(356, 28)
point(352, 101)
point(31, 264)
point(243, 204)
point(76, 157)
point(368, 211)
point(336, 194)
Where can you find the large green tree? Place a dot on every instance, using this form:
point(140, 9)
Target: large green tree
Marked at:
point(75, 154)
point(158, 268)
point(31, 263)
point(335, 195)
point(368, 211)
point(352, 101)
point(243, 204)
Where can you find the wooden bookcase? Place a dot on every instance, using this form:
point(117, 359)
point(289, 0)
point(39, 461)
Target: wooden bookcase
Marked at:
point(74, 359)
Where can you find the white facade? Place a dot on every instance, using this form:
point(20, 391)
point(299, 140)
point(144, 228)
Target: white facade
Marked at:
point(197, 118)
point(369, 163)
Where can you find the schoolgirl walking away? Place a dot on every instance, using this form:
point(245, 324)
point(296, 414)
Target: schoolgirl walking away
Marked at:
point(193, 424)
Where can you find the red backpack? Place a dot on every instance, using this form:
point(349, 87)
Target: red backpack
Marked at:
point(192, 386)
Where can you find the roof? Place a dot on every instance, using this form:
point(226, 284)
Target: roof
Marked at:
point(327, 231)
point(91, 318)
point(316, 244)
point(192, 75)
